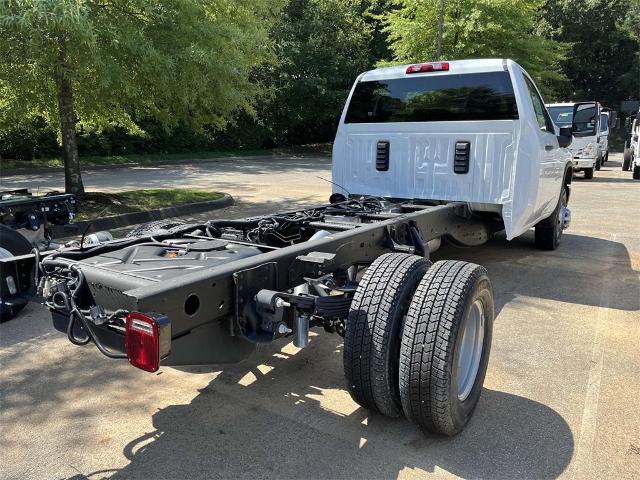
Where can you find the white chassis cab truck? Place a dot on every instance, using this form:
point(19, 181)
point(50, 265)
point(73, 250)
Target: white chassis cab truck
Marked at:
point(451, 150)
point(585, 119)
point(475, 131)
point(631, 155)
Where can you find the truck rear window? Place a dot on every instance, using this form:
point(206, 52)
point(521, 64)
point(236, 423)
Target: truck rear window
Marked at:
point(472, 96)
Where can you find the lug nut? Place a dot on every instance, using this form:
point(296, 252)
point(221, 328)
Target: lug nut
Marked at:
point(283, 329)
point(281, 303)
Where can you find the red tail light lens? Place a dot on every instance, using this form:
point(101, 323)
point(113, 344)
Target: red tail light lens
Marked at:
point(147, 340)
point(428, 67)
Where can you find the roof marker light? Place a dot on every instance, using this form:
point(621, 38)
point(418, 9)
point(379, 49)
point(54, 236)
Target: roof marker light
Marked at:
point(428, 67)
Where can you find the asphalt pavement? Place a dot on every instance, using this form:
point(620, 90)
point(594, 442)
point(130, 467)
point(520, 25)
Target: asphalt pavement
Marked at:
point(561, 397)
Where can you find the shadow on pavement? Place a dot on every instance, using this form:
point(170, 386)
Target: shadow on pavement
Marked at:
point(278, 424)
point(583, 270)
point(597, 179)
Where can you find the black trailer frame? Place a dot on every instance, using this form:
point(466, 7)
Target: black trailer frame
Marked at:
point(219, 314)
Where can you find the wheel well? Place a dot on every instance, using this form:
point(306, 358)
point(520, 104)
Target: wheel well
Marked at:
point(566, 181)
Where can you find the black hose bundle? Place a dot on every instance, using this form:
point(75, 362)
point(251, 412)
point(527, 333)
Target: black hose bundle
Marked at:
point(66, 298)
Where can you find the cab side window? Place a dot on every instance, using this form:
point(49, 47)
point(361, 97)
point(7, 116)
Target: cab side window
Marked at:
point(544, 121)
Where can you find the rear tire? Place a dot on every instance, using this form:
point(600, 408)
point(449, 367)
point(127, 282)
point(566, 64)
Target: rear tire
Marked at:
point(588, 173)
point(626, 159)
point(636, 172)
point(445, 346)
point(156, 227)
point(11, 244)
point(548, 232)
point(373, 330)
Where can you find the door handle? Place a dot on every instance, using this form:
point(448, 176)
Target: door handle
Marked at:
point(548, 147)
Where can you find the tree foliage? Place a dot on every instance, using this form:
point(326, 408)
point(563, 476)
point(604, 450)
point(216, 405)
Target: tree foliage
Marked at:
point(118, 60)
point(604, 59)
point(173, 75)
point(475, 29)
point(322, 46)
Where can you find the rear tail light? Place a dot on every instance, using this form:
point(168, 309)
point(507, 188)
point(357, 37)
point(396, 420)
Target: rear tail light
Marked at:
point(147, 340)
point(428, 67)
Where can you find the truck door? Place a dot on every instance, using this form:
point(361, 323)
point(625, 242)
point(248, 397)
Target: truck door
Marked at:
point(551, 165)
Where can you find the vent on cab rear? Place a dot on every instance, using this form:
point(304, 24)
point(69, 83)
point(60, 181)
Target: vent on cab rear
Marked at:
point(461, 160)
point(382, 156)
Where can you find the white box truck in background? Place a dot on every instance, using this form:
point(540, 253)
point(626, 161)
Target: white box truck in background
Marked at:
point(584, 147)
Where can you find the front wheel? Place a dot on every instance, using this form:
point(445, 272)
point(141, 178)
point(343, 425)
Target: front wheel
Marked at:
point(445, 346)
point(636, 172)
point(11, 244)
point(548, 232)
point(598, 163)
point(372, 337)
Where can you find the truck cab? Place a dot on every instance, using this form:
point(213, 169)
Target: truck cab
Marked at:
point(470, 130)
point(584, 117)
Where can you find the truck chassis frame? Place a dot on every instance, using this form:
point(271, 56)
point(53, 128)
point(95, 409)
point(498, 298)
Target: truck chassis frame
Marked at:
point(219, 314)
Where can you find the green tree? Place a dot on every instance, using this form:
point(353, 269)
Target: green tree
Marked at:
point(108, 62)
point(322, 46)
point(475, 29)
point(604, 61)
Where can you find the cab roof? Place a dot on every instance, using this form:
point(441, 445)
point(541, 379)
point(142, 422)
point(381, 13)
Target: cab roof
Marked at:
point(455, 67)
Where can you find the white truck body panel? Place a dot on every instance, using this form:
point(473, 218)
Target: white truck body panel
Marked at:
point(510, 170)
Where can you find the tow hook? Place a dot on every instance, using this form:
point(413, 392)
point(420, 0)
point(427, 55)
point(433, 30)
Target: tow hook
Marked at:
point(565, 217)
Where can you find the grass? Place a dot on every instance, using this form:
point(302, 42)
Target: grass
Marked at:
point(94, 205)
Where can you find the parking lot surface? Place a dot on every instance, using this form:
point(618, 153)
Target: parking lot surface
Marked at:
point(561, 397)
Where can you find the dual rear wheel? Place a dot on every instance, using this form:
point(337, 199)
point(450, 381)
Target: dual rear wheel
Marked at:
point(418, 338)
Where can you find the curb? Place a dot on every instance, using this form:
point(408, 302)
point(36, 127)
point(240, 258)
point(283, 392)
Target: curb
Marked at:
point(126, 219)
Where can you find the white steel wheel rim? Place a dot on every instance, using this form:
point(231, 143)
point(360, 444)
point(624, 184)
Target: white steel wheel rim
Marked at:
point(471, 346)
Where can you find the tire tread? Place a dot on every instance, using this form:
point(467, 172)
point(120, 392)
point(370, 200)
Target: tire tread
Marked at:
point(369, 330)
point(428, 343)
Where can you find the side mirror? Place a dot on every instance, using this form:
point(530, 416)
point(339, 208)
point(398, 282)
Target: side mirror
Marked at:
point(565, 137)
point(584, 119)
